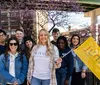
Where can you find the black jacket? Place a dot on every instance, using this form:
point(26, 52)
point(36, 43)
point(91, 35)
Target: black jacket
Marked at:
point(67, 62)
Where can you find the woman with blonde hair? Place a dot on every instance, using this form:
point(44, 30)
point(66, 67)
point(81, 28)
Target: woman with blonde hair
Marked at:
point(43, 61)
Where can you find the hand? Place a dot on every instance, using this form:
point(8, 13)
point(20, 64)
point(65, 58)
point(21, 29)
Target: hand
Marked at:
point(59, 60)
point(66, 82)
point(83, 74)
point(15, 83)
point(28, 83)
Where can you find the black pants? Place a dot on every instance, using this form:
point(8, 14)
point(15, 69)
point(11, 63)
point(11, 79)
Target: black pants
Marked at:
point(77, 79)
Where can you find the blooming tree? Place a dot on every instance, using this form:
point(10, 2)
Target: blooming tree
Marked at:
point(57, 11)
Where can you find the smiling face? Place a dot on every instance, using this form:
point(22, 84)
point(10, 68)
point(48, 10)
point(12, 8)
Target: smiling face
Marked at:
point(19, 35)
point(55, 35)
point(29, 43)
point(43, 37)
point(13, 45)
point(61, 44)
point(2, 37)
point(75, 40)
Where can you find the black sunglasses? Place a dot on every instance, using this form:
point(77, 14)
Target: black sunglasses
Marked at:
point(11, 44)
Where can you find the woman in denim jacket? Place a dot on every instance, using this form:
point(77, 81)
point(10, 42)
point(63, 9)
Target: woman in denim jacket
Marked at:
point(13, 64)
point(79, 73)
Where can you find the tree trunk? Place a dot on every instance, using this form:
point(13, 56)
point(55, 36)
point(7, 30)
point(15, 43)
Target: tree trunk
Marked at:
point(52, 28)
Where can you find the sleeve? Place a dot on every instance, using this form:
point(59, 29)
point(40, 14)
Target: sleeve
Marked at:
point(84, 66)
point(4, 74)
point(56, 53)
point(24, 69)
point(31, 65)
point(56, 57)
point(70, 65)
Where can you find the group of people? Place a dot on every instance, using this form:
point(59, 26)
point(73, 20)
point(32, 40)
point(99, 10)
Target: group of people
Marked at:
point(23, 62)
point(72, 70)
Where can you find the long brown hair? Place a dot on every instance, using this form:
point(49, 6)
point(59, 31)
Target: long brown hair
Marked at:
point(71, 44)
point(8, 49)
point(27, 50)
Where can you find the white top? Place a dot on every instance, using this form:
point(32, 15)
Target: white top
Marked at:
point(42, 63)
point(41, 68)
point(12, 64)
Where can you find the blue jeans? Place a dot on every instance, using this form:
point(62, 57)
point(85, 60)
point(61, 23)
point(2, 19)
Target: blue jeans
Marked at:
point(69, 83)
point(36, 81)
point(61, 75)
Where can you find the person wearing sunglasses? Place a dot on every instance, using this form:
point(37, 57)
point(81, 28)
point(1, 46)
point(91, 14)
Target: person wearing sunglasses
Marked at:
point(13, 64)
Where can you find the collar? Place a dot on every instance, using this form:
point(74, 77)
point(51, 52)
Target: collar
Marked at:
point(15, 55)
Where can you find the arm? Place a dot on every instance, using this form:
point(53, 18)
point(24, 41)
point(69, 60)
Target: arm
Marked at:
point(30, 69)
point(31, 65)
point(24, 69)
point(70, 65)
point(84, 68)
point(56, 53)
point(4, 74)
point(57, 59)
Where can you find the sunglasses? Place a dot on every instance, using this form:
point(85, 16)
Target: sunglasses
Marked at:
point(11, 44)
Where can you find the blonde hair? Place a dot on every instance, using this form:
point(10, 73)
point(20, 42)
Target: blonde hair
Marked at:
point(48, 44)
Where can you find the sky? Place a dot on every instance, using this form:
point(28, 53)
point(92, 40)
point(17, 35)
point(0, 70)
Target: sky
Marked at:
point(77, 21)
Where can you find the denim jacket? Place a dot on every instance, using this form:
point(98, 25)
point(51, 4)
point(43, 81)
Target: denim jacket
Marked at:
point(21, 67)
point(78, 64)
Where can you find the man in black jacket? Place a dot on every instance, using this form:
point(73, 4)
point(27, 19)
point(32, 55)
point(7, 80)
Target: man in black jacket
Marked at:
point(19, 33)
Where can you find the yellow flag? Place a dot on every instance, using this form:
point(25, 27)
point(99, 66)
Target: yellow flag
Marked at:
point(89, 53)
